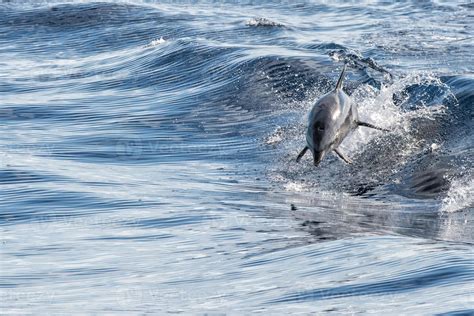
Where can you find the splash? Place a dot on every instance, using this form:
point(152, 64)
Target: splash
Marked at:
point(416, 126)
point(357, 61)
point(262, 22)
point(156, 42)
point(459, 196)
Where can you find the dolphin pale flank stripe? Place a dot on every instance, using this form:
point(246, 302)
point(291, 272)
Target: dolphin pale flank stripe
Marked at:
point(331, 119)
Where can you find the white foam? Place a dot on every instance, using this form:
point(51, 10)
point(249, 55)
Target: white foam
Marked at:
point(459, 195)
point(157, 41)
point(295, 187)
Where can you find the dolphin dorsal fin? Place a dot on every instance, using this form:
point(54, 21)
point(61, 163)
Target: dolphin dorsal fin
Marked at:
point(341, 78)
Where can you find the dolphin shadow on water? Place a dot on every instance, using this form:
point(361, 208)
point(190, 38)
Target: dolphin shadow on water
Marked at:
point(331, 119)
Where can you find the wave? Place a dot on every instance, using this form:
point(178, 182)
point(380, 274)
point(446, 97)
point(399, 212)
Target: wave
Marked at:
point(416, 159)
point(191, 97)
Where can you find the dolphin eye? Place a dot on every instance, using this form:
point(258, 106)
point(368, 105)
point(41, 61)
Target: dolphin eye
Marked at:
point(319, 126)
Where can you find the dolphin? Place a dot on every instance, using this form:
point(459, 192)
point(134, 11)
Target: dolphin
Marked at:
point(331, 119)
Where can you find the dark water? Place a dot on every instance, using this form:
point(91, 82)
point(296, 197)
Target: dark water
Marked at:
point(147, 158)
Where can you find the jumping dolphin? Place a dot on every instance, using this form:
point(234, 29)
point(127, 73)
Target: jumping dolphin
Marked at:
point(332, 118)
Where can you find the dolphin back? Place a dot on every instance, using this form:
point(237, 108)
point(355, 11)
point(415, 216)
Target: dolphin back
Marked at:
point(341, 78)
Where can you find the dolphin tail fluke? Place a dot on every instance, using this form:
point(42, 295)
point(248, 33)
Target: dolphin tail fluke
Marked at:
point(372, 126)
point(341, 78)
point(301, 154)
point(342, 156)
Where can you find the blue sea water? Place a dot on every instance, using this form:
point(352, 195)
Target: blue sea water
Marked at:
point(147, 158)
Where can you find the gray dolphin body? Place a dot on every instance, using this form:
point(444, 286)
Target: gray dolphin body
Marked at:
point(332, 118)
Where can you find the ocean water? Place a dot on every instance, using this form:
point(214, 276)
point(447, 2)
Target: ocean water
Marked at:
point(147, 158)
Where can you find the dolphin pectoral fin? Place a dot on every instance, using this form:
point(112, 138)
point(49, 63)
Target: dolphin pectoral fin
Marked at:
point(371, 126)
point(342, 156)
point(301, 154)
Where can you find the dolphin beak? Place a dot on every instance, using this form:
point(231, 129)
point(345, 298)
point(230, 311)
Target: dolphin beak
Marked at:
point(317, 157)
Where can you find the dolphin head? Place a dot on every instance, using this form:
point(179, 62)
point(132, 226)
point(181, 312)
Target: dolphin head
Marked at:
point(320, 140)
point(322, 130)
